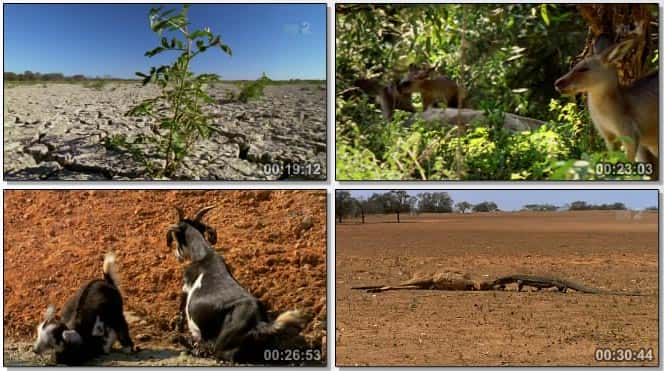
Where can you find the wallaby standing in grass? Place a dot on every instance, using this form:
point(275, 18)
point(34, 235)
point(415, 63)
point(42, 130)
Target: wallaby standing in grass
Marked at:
point(388, 97)
point(433, 90)
point(625, 113)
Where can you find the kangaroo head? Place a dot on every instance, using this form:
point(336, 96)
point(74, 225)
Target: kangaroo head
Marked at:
point(597, 71)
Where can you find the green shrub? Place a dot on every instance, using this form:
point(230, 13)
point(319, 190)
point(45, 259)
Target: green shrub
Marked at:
point(254, 89)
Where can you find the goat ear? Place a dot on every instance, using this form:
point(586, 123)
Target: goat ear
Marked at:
point(179, 215)
point(211, 235)
point(72, 337)
point(169, 238)
point(200, 213)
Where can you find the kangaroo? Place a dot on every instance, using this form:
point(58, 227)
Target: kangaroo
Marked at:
point(433, 90)
point(388, 97)
point(619, 113)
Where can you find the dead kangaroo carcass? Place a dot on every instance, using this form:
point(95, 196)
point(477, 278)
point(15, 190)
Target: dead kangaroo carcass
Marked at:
point(450, 280)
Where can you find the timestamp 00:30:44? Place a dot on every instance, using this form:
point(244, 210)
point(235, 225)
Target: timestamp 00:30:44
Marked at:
point(624, 355)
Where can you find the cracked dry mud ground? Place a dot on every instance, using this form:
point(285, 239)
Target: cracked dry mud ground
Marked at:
point(56, 131)
point(274, 243)
point(607, 250)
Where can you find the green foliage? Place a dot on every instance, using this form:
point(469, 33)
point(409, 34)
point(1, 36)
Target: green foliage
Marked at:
point(410, 148)
point(119, 143)
point(178, 110)
point(494, 50)
point(506, 55)
point(254, 89)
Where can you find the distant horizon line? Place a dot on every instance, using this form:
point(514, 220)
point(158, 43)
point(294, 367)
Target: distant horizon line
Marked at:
point(109, 77)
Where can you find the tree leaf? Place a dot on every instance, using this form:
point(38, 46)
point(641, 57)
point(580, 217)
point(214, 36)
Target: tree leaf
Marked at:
point(545, 14)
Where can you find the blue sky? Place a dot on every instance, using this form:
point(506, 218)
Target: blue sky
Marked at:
point(515, 199)
point(285, 41)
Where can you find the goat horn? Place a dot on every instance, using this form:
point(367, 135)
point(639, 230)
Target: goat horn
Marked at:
point(50, 313)
point(200, 213)
point(179, 214)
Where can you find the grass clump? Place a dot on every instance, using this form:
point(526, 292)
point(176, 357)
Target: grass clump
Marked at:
point(254, 89)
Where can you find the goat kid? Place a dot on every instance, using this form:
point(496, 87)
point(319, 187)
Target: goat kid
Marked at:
point(217, 308)
point(91, 321)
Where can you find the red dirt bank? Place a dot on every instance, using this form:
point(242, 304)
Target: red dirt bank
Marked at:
point(54, 241)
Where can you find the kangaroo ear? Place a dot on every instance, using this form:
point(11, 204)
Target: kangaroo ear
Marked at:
point(601, 43)
point(618, 51)
point(72, 337)
point(211, 235)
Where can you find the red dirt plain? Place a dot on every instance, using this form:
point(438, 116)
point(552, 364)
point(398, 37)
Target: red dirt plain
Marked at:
point(54, 241)
point(608, 250)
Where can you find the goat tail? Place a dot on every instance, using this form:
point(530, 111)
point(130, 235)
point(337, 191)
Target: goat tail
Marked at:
point(292, 319)
point(110, 270)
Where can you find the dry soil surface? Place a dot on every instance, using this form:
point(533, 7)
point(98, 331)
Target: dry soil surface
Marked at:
point(274, 243)
point(610, 250)
point(59, 131)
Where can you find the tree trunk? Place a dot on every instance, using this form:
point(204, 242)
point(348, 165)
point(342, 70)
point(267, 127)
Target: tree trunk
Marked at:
point(362, 211)
point(618, 22)
point(398, 221)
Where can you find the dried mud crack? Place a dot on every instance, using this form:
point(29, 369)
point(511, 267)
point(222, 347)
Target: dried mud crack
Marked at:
point(58, 132)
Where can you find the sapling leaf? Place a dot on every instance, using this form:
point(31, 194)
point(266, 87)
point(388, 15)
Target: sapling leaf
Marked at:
point(153, 52)
point(166, 13)
point(226, 49)
point(199, 33)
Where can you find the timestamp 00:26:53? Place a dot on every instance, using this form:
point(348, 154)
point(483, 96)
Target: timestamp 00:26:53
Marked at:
point(293, 355)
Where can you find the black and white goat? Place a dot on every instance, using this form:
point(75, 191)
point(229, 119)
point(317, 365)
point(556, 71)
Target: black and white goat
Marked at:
point(91, 321)
point(218, 310)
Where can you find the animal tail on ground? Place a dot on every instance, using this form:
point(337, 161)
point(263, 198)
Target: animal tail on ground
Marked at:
point(286, 321)
point(110, 270)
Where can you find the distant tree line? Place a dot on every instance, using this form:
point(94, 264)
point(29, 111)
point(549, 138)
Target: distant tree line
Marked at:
point(55, 76)
point(540, 207)
point(578, 205)
point(399, 202)
point(582, 205)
